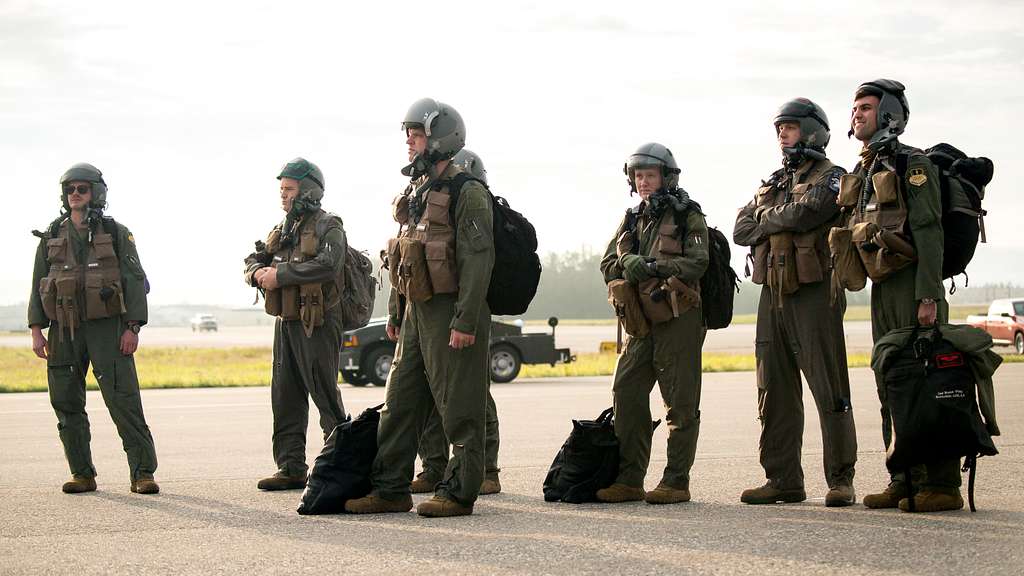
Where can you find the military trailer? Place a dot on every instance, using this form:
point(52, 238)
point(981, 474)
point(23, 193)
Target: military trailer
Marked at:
point(366, 353)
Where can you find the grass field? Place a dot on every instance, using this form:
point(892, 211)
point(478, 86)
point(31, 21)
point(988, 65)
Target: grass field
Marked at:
point(21, 371)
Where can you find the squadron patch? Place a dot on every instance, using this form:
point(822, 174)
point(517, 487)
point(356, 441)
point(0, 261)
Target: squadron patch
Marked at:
point(833, 182)
point(131, 238)
point(917, 177)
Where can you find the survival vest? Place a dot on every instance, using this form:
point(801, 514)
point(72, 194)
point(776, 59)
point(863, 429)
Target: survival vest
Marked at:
point(73, 291)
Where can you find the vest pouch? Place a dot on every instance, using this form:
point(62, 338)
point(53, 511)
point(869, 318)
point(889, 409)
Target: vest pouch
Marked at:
point(55, 250)
point(308, 244)
point(400, 209)
point(850, 187)
point(311, 307)
point(808, 260)
point(669, 243)
point(95, 306)
point(413, 277)
point(886, 187)
point(782, 271)
point(103, 247)
point(760, 255)
point(48, 295)
point(67, 307)
point(272, 302)
point(437, 209)
point(847, 269)
point(289, 302)
point(115, 298)
point(683, 297)
point(623, 297)
point(441, 265)
point(655, 300)
point(393, 261)
point(882, 252)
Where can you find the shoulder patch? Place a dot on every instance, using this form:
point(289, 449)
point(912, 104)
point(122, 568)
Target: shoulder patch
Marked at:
point(131, 238)
point(917, 176)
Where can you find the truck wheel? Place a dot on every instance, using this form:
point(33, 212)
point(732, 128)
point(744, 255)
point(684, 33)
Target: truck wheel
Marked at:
point(377, 364)
point(1018, 342)
point(504, 364)
point(354, 378)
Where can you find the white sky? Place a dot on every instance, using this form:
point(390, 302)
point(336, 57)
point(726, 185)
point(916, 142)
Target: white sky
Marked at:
point(190, 108)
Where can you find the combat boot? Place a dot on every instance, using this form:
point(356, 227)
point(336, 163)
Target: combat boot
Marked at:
point(665, 494)
point(888, 498)
point(281, 481)
point(929, 501)
point(373, 504)
point(490, 485)
point(145, 485)
point(423, 483)
point(441, 507)
point(841, 495)
point(620, 493)
point(771, 494)
point(79, 484)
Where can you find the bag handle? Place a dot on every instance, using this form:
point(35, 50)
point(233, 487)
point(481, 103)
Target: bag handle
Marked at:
point(606, 416)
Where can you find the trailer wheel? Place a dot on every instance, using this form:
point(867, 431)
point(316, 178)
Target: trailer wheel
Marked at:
point(505, 363)
point(377, 363)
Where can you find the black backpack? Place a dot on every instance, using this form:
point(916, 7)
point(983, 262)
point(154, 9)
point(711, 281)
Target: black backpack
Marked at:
point(516, 271)
point(962, 180)
point(342, 470)
point(932, 396)
point(719, 283)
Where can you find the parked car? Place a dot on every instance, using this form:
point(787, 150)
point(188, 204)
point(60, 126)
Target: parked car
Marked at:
point(1004, 322)
point(204, 322)
point(367, 354)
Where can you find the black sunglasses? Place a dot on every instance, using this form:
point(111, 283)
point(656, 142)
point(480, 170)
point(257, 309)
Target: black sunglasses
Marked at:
point(81, 189)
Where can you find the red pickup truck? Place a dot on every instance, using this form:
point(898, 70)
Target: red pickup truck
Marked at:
point(1005, 322)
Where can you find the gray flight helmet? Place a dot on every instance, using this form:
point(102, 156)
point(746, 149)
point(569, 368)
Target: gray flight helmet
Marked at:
point(445, 129)
point(471, 163)
point(86, 173)
point(893, 110)
point(650, 155)
point(309, 176)
point(814, 131)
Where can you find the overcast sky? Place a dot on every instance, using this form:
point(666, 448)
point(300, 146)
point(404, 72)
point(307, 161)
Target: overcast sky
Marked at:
point(190, 109)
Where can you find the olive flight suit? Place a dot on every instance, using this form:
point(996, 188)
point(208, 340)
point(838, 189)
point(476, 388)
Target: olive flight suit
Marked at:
point(428, 374)
point(895, 300)
point(433, 448)
point(110, 291)
point(670, 354)
point(798, 328)
point(305, 356)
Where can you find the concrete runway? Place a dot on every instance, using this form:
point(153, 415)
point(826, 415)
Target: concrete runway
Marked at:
point(214, 444)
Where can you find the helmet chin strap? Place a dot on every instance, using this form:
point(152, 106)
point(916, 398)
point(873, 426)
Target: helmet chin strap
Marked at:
point(419, 166)
point(798, 153)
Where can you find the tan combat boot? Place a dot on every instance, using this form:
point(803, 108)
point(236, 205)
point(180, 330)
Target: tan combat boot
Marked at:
point(665, 494)
point(374, 504)
point(281, 481)
point(841, 495)
point(145, 485)
point(441, 507)
point(79, 484)
point(771, 494)
point(490, 485)
point(888, 498)
point(423, 483)
point(620, 493)
point(929, 501)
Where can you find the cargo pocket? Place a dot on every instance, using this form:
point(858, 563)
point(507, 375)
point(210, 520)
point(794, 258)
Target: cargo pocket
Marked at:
point(95, 307)
point(441, 265)
point(115, 302)
point(654, 300)
point(847, 269)
point(886, 188)
point(782, 274)
point(48, 296)
point(850, 188)
point(808, 262)
point(883, 253)
point(55, 250)
point(437, 208)
point(103, 247)
point(289, 302)
point(393, 261)
point(272, 302)
point(311, 307)
point(414, 279)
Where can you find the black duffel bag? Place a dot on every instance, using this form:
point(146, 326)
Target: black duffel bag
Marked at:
point(342, 470)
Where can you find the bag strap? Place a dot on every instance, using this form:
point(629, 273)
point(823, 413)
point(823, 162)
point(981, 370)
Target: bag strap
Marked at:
point(970, 465)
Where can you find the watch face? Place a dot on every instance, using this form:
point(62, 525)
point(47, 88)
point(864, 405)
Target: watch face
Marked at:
point(135, 328)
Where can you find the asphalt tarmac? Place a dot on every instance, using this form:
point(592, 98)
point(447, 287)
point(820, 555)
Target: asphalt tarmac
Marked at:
point(214, 444)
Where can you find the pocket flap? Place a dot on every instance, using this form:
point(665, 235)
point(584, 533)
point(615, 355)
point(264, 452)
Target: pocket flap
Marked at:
point(441, 200)
point(437, 250)
point(103, 246)
point(864, 231)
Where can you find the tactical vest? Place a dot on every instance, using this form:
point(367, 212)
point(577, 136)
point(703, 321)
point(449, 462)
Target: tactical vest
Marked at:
point(788, 259)
point(73, 291)
point(421, 259)
point(305, 302)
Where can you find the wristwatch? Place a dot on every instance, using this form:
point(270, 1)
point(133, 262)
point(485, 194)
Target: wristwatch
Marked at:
point(927, 301)
point(134, 327)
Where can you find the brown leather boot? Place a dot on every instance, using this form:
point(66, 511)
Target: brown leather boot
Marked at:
point(490, 485)
point(441, 507)
point(771, 494)
point(665, 494)
point(888, 498)
point(929, 501)
point(145, 485)
point(79, 484)
point(620, 493)
point(281, 481)
point(423, 483)
point(840, 495)
point(374, 504)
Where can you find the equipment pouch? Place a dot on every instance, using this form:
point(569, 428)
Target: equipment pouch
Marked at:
point(400, 208)
point(782, 274)
point(103, 247)
point(441, 265)
point(669, 243)
point(886, 187)
point(67, 308)
point(850, 187)
point(760, 256)
point(413, 276)
point(289, 302)
point(55, 250)
point(882, 252)
point(437, 208)
point(308, 245)
point(623, 298)
point(95, 307)
point(393, 261)
point(272, 302)
point(48, 295)
point(311, 307)
point(655, 300)
point(808, 261)
point(847, 269)
point(685, 296)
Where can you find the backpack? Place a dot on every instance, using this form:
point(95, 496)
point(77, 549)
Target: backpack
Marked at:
point(516, 272)
point(930, 391)
point(962, 180)
point(342, 470)
point(358, 289)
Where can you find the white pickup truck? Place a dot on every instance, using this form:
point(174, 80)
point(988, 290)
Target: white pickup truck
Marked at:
point(1004, 322)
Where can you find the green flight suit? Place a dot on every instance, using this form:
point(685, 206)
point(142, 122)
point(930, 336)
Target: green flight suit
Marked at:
point(669, 355)
point(97, 343)
point(306, 366)
point(801, 331)
point(429, 375)
point(433, 448)
point(895, 300)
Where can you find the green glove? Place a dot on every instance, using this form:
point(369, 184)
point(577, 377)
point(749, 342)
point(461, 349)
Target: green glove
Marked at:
point(634, 268)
